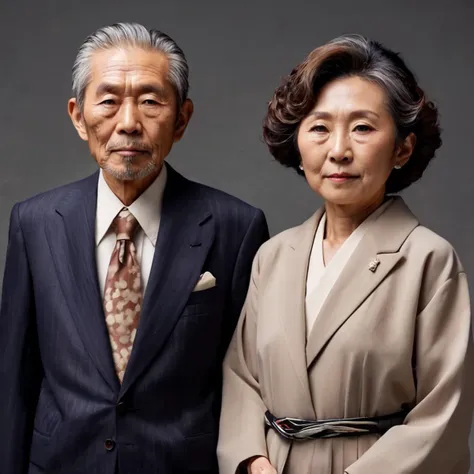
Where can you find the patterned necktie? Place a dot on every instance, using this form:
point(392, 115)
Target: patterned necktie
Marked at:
point(123, 293)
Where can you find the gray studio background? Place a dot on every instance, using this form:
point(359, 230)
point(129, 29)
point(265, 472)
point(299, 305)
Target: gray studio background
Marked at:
point(237, 52)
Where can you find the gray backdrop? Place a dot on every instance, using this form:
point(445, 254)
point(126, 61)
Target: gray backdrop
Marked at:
point(237, 52)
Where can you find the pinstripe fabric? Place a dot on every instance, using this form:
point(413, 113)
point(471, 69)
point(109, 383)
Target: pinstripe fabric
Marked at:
point(60, 400)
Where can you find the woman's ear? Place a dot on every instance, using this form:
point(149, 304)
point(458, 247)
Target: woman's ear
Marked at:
point(405, 150)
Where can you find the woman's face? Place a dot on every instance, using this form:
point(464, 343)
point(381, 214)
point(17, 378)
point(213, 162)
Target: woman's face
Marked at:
point(348, 143)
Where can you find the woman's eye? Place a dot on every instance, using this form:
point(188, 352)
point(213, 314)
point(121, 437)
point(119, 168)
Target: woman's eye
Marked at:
point(318, 129)
point(363, 128)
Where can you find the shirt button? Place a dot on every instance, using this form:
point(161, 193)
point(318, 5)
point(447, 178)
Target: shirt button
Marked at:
point(109, 444)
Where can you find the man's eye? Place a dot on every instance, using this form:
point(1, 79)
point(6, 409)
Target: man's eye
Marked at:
point(108, 102)
point(150, 102)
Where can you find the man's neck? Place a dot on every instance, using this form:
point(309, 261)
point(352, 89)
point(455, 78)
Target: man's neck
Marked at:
point(128, 191)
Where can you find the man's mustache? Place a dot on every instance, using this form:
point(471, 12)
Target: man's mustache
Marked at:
point(134, 145)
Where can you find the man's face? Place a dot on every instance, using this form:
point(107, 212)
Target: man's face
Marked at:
point(129, 117)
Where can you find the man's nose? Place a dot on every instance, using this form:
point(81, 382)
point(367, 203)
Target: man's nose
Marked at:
point(129, 119)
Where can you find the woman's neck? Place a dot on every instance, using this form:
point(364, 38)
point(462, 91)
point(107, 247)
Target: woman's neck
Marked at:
point(341, 221)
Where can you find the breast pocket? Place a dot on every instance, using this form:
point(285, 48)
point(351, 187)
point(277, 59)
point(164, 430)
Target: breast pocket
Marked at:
point(203, 302)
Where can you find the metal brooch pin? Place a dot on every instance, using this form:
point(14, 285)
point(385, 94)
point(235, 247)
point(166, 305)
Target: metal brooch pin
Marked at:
point(374, 264)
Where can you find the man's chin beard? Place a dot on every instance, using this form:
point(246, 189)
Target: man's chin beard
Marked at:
point(129, 174)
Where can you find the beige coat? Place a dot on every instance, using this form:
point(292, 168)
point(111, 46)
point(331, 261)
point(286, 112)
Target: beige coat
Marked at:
point(398, 335)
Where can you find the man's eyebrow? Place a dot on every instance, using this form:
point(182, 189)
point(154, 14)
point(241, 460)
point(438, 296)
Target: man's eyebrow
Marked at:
point(152, 89)
point(107, 88)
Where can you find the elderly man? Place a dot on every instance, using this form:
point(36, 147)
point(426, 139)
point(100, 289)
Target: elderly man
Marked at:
point(121, 291)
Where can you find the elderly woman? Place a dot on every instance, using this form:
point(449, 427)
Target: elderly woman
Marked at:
point(353, 352)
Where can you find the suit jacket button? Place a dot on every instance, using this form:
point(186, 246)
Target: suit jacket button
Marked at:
point(121, 408)
point(109, 444)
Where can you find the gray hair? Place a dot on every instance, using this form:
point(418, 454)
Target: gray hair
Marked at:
point(130, 34)
point(349, 56)
point(370, 60)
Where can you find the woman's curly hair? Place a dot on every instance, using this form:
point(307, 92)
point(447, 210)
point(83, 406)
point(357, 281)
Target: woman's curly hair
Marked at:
point(354, 55)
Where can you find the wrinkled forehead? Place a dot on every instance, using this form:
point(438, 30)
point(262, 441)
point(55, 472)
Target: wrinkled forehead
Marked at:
point(129, 72)
point(128, 59)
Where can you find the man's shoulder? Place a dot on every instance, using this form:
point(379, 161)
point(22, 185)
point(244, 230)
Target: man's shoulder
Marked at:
point(233, 218)
point(210, 193)
point(48, 200)
point(221, 203)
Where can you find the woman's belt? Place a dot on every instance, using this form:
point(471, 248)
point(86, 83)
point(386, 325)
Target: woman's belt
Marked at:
point(298, 429)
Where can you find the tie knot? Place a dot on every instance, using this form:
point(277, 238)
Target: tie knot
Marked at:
point(125, 224)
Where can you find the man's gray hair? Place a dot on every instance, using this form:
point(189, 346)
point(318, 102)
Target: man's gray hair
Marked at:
point(135, 35)
point(375, 63)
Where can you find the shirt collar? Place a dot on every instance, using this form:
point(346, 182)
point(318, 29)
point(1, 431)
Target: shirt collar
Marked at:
point(146, 208)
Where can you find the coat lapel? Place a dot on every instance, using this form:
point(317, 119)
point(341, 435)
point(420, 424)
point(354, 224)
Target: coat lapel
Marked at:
point(185, 237)
point(382, 242)
point(71, 238)
point(291, 312)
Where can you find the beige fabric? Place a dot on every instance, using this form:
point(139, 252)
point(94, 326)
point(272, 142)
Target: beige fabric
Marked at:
point(321, 278)
point(123, 292)
point(412, 311)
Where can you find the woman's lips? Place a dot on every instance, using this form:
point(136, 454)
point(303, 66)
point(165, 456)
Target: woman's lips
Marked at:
point(341, 177)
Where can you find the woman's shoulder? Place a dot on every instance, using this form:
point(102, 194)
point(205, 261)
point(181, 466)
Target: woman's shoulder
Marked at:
point(278, 253)
point(422, 248)
point(436, 254)
point(285, 237)
point(292, 237)
point(273, 247)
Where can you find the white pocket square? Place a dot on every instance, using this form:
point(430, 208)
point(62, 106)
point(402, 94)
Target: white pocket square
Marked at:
point(206, 281)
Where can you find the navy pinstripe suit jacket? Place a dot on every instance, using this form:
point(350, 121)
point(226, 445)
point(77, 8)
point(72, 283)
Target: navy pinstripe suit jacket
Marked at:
point(62, 409)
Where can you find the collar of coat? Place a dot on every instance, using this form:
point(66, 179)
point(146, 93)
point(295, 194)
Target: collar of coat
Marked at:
point(382, 241)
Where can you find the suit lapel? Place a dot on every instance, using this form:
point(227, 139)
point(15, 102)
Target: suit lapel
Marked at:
point(72, 243)
point(382, 242)
point(185, 237)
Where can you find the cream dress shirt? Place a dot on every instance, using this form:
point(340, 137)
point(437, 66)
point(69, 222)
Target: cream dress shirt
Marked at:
point(147, 210)
point(321, 278)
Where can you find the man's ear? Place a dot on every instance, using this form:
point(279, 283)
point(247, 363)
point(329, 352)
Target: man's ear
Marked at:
point(405, 150)
point(77, 118)
point(184, 117)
